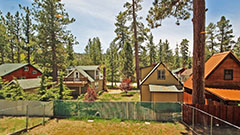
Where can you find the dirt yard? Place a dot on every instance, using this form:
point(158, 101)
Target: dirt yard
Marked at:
point(108, 127)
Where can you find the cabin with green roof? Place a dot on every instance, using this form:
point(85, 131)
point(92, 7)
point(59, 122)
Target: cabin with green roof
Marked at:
point(9, 71)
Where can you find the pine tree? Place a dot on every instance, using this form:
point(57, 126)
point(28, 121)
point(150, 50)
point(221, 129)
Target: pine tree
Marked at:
point(15, 92)
point(70, 41)
point(17, 35)
point(64, 92)
point(176, 58)
point(28, 34)
point(10, 33)
point(225, 34)
point(180, 10)
point(151, 47)
point(143, 57)
point(94, 51)
point(52, 19)
point(126, 55)
point(122, 31)
point(112, 63)
point(137, 30)
point(4, 88)
point(236, 48)
point(167, 55)
point(160, 50)
point(3, 40)
point(184, 51)
point(210, 38)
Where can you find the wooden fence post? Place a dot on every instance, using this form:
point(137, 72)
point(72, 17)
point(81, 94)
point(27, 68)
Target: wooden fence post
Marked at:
point(27, 117)
point(43, 114)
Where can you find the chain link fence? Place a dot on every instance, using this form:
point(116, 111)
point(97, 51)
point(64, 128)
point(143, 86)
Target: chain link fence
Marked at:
point(19, 116)
point(204, 123)
point(120, 110)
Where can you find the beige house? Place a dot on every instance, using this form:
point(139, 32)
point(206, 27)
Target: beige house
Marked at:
point(158, 84)
point(80, 77)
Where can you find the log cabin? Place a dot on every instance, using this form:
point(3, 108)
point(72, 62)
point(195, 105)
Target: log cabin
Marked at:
point(158, 84)
point(222, 80)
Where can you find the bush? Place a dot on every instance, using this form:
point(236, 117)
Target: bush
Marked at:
point(125, 85)
point(91, 95)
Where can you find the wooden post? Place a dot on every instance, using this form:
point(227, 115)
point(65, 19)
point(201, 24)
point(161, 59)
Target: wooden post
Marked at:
point(104, 78)
point(27, 117)
point(135, 43)
point(43, 115)
point(198, 51)
point(127, 110)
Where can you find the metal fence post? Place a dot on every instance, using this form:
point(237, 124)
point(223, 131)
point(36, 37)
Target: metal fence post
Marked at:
point(43, 114)
point(211, 127)
point(26, 117)
point(193, 118)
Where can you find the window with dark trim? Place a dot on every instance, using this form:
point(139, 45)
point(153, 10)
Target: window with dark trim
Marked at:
point(26, 69)
point(228, 74)
point(34, 72)
point(161, 74)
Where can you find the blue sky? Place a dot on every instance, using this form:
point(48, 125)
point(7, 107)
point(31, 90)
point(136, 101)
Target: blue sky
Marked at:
point(97, 18)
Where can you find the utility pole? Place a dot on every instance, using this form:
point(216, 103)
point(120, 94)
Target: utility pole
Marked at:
point(198, 51)
point(135, 43)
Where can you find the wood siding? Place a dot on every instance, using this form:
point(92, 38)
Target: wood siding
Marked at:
point(21, 73)
point(216, 79)
point(146, 95)
point(166, 97)
point(169, 78)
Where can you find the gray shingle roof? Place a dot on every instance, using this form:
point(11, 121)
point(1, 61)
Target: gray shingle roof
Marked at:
point(163, 88)
point(10, 67)
point(85, 74)
point(95, 67)
point(28, 83)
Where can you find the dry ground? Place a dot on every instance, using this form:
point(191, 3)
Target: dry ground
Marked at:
point(108, 127)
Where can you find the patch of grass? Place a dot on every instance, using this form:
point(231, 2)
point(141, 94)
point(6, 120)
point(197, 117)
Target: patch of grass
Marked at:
point(130, 96)
point(12, 124)
point(108, 127)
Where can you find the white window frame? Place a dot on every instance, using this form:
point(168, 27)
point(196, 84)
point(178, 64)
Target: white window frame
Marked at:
point(26, 69)
point(34, 72)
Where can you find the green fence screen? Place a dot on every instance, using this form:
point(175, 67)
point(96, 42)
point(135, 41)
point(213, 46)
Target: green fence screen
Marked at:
point(121, 110)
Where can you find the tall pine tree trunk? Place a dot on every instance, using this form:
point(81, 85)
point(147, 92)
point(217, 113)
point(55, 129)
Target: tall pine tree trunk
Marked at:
point(136, 43)
point(198, 51)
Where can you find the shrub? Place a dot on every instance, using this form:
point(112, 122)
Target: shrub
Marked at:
point(91, 95)
point(125, 85)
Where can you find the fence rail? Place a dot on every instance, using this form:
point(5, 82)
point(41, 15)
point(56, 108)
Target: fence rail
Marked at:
point(19, 108)
point(121, 110)
point(203, 119)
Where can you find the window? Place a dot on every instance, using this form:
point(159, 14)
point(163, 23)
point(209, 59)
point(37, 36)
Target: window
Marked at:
point(26, 69)
point(21, 77)
point(34, 72)
point(77, 75)
point(96, 85)
point(161, 74)
point(228, 74)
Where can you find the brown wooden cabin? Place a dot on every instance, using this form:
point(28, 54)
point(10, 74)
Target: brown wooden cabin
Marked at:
point(222, 80)
point(158, 84)
point(80, 77)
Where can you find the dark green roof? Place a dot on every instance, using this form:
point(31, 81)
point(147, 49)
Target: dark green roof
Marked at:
point(10, 67)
